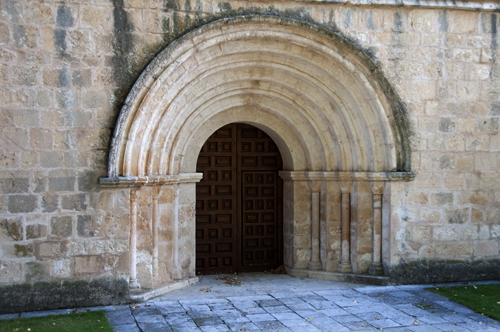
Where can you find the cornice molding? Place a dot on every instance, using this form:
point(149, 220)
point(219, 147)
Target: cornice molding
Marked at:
point(435, 4)
point(139, 181)
point(347, 176)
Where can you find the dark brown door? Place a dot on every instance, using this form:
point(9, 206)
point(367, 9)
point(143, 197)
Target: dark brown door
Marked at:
point(239, 202)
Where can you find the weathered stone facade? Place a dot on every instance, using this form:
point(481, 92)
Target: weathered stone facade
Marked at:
point(386, 117)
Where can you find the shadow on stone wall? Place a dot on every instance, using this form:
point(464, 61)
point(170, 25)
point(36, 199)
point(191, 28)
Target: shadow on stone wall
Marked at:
point(62, 294)
point(442, 271)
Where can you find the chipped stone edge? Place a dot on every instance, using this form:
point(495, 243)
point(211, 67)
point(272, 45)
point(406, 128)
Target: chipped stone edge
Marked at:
point(343, 277)
point(137, 181)
point(432, 4)
point(348, 176)
point(177, 284)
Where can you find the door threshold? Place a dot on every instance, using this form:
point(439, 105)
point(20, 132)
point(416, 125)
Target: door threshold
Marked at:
point(338, 276)
point(147, 294)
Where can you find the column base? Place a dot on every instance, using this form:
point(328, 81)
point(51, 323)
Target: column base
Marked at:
point(134, 286)
point(314, 266)
point(376, 269)
point(345, 267)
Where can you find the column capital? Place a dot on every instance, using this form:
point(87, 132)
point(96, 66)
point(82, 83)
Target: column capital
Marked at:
point(345, 186)
point(315, 185)
point(377, 187)
point(133, 193)
point(156, 191)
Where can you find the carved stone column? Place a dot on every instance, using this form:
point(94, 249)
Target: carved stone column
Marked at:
point(156, 216)
point(176, 273)
point(133, 284)
point(315, 181)
point(345, 265)
point(315, 263)
point(376, 267)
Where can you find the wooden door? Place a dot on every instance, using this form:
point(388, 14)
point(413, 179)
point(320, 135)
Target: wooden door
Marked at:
point(239, 202)
point(216, 204)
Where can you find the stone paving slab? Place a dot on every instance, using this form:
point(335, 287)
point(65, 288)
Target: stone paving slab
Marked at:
point(126, 327)
point(154, 327)
point(262, 304)
point(120, 317)
point(45, 313)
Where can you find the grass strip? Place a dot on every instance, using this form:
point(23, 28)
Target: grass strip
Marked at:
point(483, 299)
point(81, 322)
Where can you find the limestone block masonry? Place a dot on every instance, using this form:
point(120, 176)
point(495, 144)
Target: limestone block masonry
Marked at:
point(386, 114)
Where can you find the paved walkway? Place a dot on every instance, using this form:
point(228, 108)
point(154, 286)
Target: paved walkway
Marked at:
point(281, 303)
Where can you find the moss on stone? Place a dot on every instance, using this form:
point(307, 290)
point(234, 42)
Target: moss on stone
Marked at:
point(46, 285)
point(435, 270)
point(12, 228)
point(23, 250)
point(74, 283)
point(34, 271)
point(35, 231)
point(43, 295)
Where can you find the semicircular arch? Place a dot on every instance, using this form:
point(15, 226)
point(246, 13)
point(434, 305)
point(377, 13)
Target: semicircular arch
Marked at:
point(322, 100)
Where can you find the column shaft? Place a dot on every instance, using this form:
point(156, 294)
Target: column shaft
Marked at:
point(155, 232)
point(315, 263)
point(133, 284)
point(345, 264)
point(376, 266)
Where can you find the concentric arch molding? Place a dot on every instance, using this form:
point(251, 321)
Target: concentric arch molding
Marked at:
point(324, 102)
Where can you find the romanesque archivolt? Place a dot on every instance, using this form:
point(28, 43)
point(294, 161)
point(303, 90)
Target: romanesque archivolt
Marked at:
point(314, 95)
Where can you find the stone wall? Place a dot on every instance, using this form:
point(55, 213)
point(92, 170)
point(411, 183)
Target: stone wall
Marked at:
point(65, 69)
